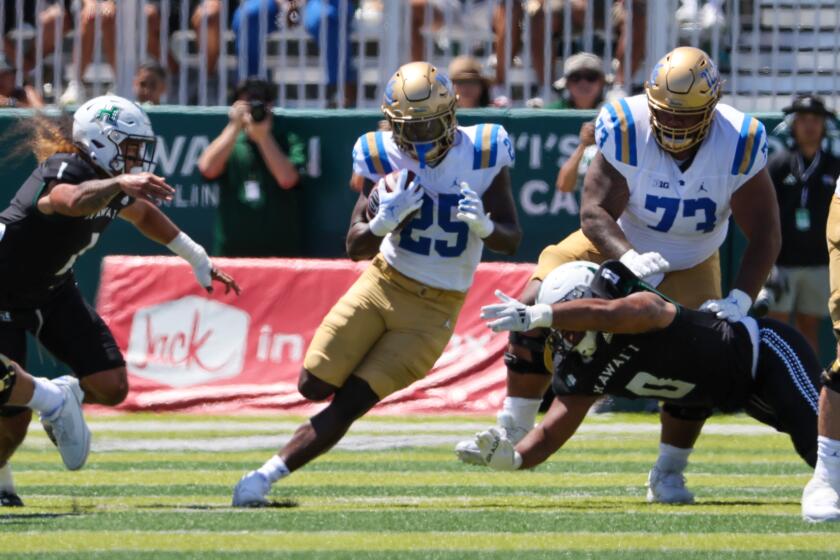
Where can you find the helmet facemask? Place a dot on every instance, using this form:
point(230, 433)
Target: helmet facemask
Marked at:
point(674, 139)
point(583, 342)
point(426, 139)
point(135, 154)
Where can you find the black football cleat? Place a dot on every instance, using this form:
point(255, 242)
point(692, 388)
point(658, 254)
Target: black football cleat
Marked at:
point(10, 499)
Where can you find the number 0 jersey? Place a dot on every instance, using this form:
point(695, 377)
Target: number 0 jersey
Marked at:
point(697, 360)
point(37, 251)
point(435, 248)
point(682, 215)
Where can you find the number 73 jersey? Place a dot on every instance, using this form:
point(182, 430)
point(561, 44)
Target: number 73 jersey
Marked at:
point(682, 215)
point(436, 248)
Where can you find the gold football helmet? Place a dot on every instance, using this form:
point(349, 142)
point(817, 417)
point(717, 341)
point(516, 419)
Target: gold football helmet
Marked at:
point(419, 104)
point(684, 83)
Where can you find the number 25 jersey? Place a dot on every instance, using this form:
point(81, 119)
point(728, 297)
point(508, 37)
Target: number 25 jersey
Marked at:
point(682, 215)
point(436, 248)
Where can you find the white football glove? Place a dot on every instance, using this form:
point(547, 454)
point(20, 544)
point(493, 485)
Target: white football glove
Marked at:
point(733, 307)
point(193, 253)
point(497, 451)
point(471, 212)
point(513, 315)
point(395, 206)
point(650, 265)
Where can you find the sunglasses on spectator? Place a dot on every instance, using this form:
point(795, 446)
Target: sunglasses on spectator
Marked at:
point(588, 76)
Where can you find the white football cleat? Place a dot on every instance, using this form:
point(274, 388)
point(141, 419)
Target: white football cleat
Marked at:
point(251, 490)
point(820, 502)
point(667, 488)
point(468, 451)
point(67, 429)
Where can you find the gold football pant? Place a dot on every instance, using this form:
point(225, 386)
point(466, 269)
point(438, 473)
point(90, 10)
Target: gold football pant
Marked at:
point(388, 330)
point(690, 287)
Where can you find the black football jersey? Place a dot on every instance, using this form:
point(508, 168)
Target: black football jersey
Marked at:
point(697, 360)
point(37, 251)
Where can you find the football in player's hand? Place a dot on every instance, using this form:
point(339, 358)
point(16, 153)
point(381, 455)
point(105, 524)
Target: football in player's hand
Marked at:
point(390, 181)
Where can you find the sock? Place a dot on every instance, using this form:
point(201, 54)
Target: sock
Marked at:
point(274, 469)
point(828, 461)
point(524, 411)
point(6, 482)
point(672, 459)
point(47, 398)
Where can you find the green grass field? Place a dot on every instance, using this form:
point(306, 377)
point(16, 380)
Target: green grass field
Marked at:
point(159, 487)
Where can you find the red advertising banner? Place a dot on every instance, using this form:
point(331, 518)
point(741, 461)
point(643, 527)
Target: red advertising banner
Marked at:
point(216, 353)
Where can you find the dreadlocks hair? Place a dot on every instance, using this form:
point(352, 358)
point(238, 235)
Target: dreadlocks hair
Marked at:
point(40, 135)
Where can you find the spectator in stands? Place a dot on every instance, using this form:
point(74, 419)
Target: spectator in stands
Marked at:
point(149, 83)
point(583, 84)
point(804, 177)
point(106, 12)
point(472, 87)
point(257, 170)
point(535, 10)
point(47, 19)
point(314, 12)
point(14, 96)
point(581, 87)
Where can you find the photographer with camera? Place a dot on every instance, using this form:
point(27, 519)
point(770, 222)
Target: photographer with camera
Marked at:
point(257, 171)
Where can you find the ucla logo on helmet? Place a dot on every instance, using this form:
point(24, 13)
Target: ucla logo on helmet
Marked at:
point(444, 80)
point(711, 77)
point(655, 72)
point(389, 91)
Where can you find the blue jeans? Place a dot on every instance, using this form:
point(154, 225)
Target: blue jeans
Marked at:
point(312, 23)
point(252, 13)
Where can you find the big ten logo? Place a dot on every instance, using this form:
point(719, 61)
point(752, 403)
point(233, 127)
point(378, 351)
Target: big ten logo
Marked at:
point(278, 347)
point(537, 196)
point(188, 341)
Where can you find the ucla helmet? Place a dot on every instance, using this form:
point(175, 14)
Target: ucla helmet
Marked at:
point(685, 82)
point(419, 103)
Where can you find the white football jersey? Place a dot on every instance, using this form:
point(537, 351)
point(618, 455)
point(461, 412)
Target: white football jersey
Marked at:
point(436, 248)
point(682, 215)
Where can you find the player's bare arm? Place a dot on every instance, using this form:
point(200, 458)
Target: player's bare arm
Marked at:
point(605, 196)
point(498, 201)
point(560, 423)
point(91, 196)
point(637, 313)
point(154, 224)
point(361, 243)
point(756, 212)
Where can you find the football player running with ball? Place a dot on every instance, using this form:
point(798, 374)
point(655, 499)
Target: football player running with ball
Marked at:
point(391, 326)
point(80, 185)
point(673, 166)
point(613, 335)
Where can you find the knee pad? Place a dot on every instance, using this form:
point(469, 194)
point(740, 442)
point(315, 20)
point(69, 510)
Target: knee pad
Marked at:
point(7, 381)
point(831, 377)
point(689, 413)
point(525, 354)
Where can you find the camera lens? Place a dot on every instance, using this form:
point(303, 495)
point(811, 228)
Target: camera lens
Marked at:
point(258, 112)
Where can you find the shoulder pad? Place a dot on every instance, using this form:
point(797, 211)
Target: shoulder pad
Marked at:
point(373, 153)
point(68, 168)
point(491, 146)
point(616, 124)
point(752, 137)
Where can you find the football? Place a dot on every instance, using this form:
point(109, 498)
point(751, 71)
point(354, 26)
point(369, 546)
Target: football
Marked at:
point(390, 181)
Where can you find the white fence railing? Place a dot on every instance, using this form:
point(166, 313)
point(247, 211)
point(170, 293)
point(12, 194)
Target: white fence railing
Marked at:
point(325, 53)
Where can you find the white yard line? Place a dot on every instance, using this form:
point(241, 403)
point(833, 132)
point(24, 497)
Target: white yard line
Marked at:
point(415, 435)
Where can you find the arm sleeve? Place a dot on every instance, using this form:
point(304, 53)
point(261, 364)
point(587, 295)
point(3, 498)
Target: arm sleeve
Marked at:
point(750, 151)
